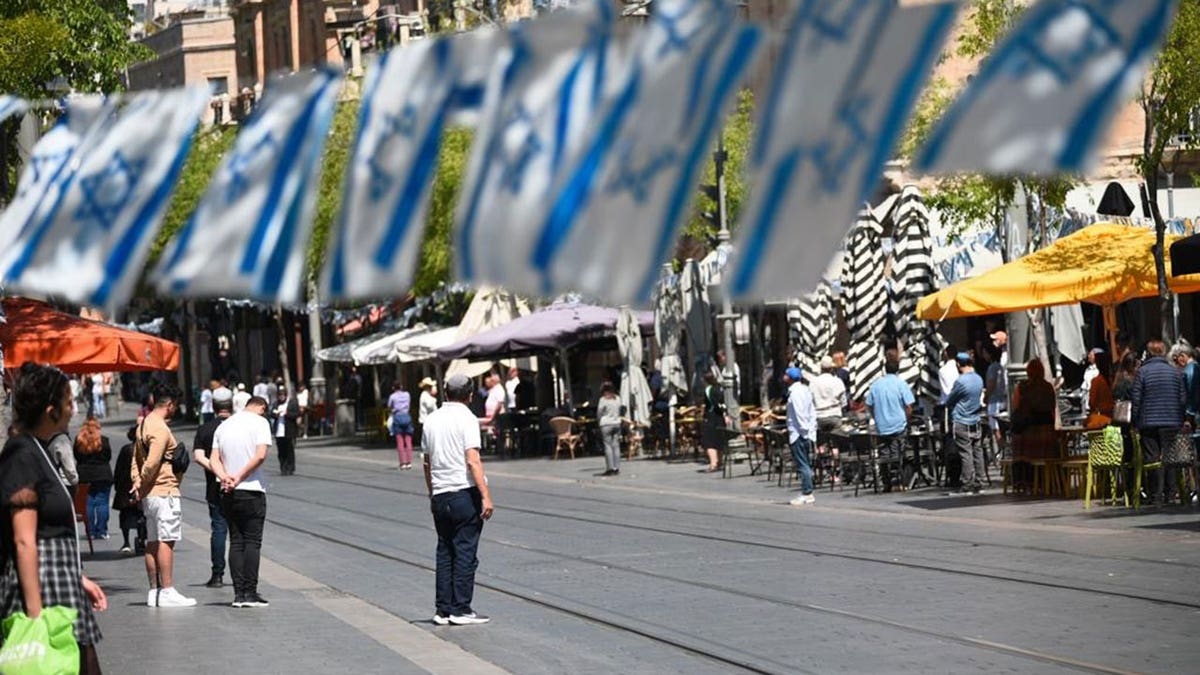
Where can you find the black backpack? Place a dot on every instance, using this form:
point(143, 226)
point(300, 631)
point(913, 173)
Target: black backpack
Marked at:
point(180, 461)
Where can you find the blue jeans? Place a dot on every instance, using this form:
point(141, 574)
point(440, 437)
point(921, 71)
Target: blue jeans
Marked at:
point(97, 508)
point(458, 519)
point(216, 540)
point(801, 450)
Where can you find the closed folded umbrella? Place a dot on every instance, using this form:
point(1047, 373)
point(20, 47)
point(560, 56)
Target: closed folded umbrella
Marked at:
point(864, 299)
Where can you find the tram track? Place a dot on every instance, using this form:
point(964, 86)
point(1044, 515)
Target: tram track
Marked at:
point(696, 646)
point(789, 548)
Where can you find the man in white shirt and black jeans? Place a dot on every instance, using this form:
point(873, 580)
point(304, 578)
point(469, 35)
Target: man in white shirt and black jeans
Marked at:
point(240, 446)
point(459, 499)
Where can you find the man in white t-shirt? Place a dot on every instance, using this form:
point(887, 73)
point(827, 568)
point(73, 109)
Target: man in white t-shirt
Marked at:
point(460, 501)
point(240, 446)
point(206, 402)
point(510, 388)
point(241, 398)
point(829, 400)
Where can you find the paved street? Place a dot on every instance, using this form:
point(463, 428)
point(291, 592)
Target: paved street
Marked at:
point(663, 569)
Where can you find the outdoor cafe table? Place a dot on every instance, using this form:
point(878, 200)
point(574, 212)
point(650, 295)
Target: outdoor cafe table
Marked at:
point(851, 440)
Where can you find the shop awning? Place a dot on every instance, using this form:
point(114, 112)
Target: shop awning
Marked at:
point(37, 332)
point(382, 350)
point(555, 327)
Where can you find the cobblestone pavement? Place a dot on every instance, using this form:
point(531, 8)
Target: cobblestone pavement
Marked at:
point(663, 569)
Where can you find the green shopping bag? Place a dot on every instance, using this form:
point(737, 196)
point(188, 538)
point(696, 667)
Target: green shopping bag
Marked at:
point(42, 646)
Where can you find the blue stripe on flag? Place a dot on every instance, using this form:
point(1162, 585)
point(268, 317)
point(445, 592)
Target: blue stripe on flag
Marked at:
point(740, 56)
point(766, 222)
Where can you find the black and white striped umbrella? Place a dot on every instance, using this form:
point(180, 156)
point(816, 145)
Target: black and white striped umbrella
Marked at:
point(811, 327)
point(913, 279)
point(864, 302)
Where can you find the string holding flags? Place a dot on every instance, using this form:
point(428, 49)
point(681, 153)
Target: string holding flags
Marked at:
point(98, 214)
point(247, 236)
point(848, 75)
point(1043, 98)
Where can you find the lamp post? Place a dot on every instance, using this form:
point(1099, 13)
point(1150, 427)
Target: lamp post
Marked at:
point(727, 316)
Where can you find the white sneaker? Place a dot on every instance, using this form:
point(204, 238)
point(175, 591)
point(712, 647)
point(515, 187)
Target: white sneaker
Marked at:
point(801, 500)
point(471, 619)
point(169, 597)
point(441, 620)
point(152, 598)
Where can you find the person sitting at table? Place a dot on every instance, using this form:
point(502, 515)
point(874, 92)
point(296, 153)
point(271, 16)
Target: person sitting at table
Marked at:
point(716, 420)
point(890, 402)
point(608, 414)
point(1034, 404)
point(1100, 393)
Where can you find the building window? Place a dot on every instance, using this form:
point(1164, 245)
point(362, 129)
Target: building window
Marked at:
point(218, 85)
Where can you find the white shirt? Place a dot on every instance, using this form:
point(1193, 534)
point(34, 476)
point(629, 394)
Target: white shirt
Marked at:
point(237, 439)
point(510, 388)
point(206, 399)
point(1088, 375)
point(947, 376)
point(829, 395)
point(261, 390)
point(449, 432)
point(240, 400)
point(281, 420)
point(801, 416)
point(428, 405)
point(495, 400)
point(302, 399)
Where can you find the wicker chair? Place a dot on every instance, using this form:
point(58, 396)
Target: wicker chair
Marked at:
point(565, 436)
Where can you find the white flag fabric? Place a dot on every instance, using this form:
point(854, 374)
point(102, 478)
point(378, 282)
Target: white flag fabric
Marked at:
point(48, 171)
point(410, 96)
point(535, 115)
point(11, 105)
point(248, 235)
point(848, 74)
point(91, 242)
point(1045, 96)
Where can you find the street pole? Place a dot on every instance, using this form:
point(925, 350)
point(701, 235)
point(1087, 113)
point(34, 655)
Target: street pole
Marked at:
point(727, 317)
point(317, 383)
point(1171, 217)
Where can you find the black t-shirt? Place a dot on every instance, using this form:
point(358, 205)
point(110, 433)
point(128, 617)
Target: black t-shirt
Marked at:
point(204, 441)
point(23, 465)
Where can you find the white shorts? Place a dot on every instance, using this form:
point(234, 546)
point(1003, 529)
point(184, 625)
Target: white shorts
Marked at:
point(164, 518)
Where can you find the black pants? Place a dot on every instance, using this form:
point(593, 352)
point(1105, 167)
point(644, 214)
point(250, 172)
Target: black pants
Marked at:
point(458, 518)
point(245, 513)
point(286, 447)
point(1155, 441)
point(891, 454)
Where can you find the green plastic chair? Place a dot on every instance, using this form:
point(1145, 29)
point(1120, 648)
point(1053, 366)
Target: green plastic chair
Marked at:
point(1105, 448)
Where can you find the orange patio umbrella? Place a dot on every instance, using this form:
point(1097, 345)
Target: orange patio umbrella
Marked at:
point(39, 333)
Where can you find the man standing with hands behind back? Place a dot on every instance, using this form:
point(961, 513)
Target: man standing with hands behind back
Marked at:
point(460, 501)
point(239, 448)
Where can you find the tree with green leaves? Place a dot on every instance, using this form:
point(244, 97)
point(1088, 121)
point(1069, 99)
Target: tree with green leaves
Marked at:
point(1169, 97)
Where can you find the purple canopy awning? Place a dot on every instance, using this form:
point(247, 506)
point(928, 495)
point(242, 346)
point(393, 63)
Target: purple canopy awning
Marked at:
point(554, 327)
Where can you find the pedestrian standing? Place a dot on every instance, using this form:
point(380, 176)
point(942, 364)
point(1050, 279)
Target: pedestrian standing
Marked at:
point(202, 450)
point(240, 398)
point(302, 403)
point(283, 423)
point(965, 404)
point(156, 486)
point(39, 550)
point(62, 453)
point(130, 513)
point(427, 404)
point(460, 501)
point(401, 425)
point(890, 402)
point(93, 461)
point(716, 421)
point(802, 432)
point(206, 402)
point(608, 413)
point(1159, 405)
point(240, 447)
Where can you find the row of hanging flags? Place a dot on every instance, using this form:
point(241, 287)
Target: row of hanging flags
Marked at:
point(587, 149)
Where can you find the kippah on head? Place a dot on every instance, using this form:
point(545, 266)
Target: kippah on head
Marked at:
point(458, 386)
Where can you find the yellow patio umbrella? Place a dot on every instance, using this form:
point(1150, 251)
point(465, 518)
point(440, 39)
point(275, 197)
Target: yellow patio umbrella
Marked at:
point(1104, 264)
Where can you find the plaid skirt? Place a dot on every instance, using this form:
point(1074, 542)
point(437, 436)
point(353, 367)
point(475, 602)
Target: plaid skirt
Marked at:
point(58, 569)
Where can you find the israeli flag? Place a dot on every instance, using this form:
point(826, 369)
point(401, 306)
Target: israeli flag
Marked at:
point(11, 105)
point(89, 244)
point(47, 172)
point(247, 237)
point(536, 114)
point(1045, 96)
point(848, 74)
point(411, 95)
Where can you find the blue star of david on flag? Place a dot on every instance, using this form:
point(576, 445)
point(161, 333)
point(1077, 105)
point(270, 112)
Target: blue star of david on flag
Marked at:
point(106, 192)
point(638, 180)
point(402, 125)
point(240, 163)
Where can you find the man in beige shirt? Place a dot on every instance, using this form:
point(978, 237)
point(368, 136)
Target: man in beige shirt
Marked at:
point(156, 486)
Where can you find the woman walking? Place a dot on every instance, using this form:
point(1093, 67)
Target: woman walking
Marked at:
point(40, 552)
point(608, 412)
point(93, 461)
point(716, 420)
point(400, 402)
point(123, 501)
point(427, 404)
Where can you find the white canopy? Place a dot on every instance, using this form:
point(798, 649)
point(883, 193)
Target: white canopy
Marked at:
point(424, 346)
point(491, 307)
point(382, 349)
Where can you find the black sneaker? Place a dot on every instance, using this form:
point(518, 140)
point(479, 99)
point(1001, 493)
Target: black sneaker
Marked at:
point(215, 581)
point(239, 601)
point(440, 619)
point(255, 600)
point(471, 619)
